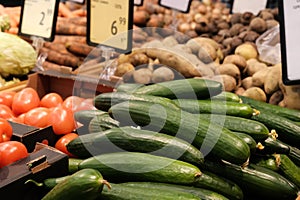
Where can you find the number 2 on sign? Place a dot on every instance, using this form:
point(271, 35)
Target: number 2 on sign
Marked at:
point(42, 20)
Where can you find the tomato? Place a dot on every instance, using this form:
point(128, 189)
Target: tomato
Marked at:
point(87, 104)
point(6, 112)
point(38, 117)
point(62, 120)
point(6, 130)
point(11, 151)
point(72, 102)
point(6, 97)
point(51, 100)
point(25, 100)
point(63, 141)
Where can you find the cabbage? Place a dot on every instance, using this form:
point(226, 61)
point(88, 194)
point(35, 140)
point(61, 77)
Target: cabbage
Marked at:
point(17, 56)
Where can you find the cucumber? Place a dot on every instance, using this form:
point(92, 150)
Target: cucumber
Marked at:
point(124, 192)
point(287, 130)
point(260, 182)
point(266, 161)
point(257, 130)
point(134, 166)
point(48, 183)
point(215, 107)
point(73, 164)
point(291, 114)
point(129, 87)
point(183, 88)
point(105, 100)
point(199, 192)
point(227, 96)
point(294, 155)
point(101, 123)
point(210, 138)
point(248, 139)
point(83, 184)
point(136, 140)
point(85, 116)
point(288, 168)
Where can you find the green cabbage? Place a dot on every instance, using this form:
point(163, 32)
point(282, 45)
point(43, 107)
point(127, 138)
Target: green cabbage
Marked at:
point(17, 56)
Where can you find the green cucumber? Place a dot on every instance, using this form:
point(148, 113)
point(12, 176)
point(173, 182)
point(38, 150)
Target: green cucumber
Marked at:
point(83, 184)
point(183, 88)
point(288, 168)
point(215, 107)
point(209, 137)
point(266, 161)
point(287, 130)
point(48, 183)
point(227, 96)
point(124, 192)
point(260, 182)
point(248, 139)
point(105, 100)
point(101, 123)
point(134, 166)
point(199, 192)
point(73, 164)
point(129, 87)
point(85, 116)
point(294, 155)
point(136, 140)
point(257, 130)
point(291, 114)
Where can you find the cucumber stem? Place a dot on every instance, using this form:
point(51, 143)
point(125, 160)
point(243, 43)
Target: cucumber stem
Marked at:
point(198, 174)
point(106, 183)
point(273, 134)
point(255, 112)
point(33, 181)
point(260, 146)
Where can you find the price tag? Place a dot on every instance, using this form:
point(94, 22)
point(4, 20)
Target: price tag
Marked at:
point(254, 6)
point(38, 18)
point(77, 1)
point(289, 12)
point(138, 2)
point(180, 5)
point(109, 22)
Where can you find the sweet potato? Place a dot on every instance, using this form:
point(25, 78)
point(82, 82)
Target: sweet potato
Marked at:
point(73, 20)
point(69, 39)
point(83, 49)
point(70, 29)
point(64, 11)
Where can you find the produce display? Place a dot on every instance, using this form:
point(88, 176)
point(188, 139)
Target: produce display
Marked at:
point(196, 112)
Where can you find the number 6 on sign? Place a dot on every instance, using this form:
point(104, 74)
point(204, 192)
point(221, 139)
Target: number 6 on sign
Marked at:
point(38, 18)
point(109, 22)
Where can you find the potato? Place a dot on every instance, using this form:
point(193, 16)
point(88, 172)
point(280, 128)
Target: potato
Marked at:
point(291, 95)
point(247, 82)
point(207, 53)
point(229, 69)
point(253, 66)
point(238, 60)
point(272, 79)
point(123, 68)
point(255, 93)
point(276, 97)
point(170, 41)
point(239, 91)
point(142, 75)
point(247, 50)
point(162, 74)
point(137, 59)
point(229, 83)
point(258, 78)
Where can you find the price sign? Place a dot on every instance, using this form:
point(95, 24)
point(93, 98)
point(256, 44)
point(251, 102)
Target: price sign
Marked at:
point(77, 1)
point(180, 5)
point(38, 18)
point(138, 2)
point(289, 12)
point(254, 6)
point(109, 22)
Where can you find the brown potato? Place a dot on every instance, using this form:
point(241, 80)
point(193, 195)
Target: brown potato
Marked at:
point(256, 93)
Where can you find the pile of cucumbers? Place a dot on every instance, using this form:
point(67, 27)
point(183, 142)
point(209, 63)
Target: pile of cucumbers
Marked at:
point(182, 139)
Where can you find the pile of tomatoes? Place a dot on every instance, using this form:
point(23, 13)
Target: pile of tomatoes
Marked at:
point(28, 108)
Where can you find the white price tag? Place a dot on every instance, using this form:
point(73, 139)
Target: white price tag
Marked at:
point(109, 22)
point(180, 5)
point(289, 38)
point(38, 18)
point(254, 6)
point(77, 1)
point(138, 2)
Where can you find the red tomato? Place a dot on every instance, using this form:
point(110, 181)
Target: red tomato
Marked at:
point(63, 141)
point(6, 97)
point(6, 130)
point(6, 112)
point(62, 120)
point(72, 102)
point(11, 151)
point(51, 100)
point(38, 117)
point(25, 100)
point(87, 104)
